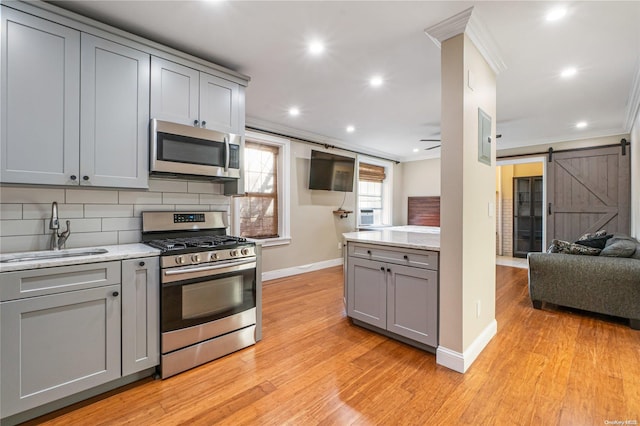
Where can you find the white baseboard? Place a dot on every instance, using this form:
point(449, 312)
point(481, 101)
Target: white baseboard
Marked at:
point(287, 272)
point(460, 362)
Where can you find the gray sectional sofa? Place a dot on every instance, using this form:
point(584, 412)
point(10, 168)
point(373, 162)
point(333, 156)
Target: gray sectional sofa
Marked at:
point(606, 285)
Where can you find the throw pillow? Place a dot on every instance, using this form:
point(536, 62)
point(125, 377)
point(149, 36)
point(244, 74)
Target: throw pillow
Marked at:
point(559, 246)
point(593, 240)
point(619, 247)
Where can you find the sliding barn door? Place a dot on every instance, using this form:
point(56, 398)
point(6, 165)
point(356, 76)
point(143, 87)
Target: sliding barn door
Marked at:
point(588, 190)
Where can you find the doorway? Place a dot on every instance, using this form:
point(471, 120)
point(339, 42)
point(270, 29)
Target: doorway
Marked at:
point(507, 171)
point(527, 215)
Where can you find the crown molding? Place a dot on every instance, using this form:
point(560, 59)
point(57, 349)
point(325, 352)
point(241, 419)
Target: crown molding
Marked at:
point(633, 106)
point(468, 22)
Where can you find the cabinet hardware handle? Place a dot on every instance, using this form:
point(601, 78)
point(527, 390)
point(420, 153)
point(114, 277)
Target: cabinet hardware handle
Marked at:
point(195, 123)
point(382, 268)
point(368, 251)
point(85, 177)
point(388, 270)
point(115, 294)
point(406, 257)
point(141, 263)
point(73, 177)
point(204, 123)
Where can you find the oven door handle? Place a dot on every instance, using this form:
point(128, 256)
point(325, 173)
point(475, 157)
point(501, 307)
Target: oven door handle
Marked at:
point(181, 274)
point(227, 154)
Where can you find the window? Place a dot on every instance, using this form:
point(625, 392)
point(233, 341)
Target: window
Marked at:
point(374, 192)
point(263, 213)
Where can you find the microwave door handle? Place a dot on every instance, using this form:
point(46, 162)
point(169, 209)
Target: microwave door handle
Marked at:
point(226, 153)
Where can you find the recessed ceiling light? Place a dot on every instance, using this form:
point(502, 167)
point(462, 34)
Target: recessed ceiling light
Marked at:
point(581, 124)
point(375, 81)
point(556, 14)
point(416, 149)
point(568, 72)
point(316, 47)
point(351, 129)
point(294, 111)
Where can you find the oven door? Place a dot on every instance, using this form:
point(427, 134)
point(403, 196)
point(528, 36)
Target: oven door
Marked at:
point(194, 295)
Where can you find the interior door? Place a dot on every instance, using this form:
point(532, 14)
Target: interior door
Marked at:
point(588, 190)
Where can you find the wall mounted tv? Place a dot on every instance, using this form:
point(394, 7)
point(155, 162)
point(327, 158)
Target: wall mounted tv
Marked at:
point(331, 172)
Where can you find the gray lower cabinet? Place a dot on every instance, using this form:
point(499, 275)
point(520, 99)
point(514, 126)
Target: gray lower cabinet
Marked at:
point(59, 344)
point(140, 314)
point(394, 297)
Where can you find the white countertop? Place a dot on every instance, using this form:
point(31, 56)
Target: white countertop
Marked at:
point(115, 252)
point(416, 237)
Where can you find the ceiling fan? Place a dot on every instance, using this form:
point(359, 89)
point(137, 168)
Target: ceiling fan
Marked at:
point(439, 140)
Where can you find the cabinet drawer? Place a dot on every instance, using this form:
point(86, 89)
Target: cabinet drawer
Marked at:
point(39, 282)
point(409, 257)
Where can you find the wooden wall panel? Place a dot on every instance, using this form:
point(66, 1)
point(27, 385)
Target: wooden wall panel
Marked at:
point(424, 211)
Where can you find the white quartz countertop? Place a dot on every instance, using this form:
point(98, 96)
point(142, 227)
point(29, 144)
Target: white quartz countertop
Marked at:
point(114, 252)
point(416, 237)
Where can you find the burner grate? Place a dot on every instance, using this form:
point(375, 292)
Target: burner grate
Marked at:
point(174, 244)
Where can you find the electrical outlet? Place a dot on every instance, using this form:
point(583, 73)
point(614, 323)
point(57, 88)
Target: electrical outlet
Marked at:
point(339, 245)
point(477, 309)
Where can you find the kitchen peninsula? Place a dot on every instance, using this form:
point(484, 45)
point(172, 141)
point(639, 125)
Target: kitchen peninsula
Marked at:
point(391, 282)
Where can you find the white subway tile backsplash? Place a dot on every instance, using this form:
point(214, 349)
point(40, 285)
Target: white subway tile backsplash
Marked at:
point(98, 216)
point(43, 211)
point(139, 197)
point(22, 195)
point(92, 196)
point(167, 185)
point(128, 237)
point(21, 227)
point(108, 210)
point(92, 239)
point(10, 211)
point(139, 208)
point(121, 224)
point(204, 187)
point(24, 243)
point(180, 198)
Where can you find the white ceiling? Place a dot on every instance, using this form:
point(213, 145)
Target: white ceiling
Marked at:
point(267, 41)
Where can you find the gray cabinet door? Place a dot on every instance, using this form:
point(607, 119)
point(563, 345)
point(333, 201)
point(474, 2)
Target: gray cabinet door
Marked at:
point(219, 99)
point(174, 92)
point(114, 134)
point(40, 100)
point(57, 345)
point(367, 291)
point(140, 314)
point(412, 303)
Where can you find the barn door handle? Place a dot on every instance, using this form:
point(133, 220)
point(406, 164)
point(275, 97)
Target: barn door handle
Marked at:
point(549, 209)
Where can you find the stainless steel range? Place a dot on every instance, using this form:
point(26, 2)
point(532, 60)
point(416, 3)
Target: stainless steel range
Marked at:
point(211, 295)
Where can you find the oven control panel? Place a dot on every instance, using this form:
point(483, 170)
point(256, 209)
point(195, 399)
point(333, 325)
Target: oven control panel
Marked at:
point(237, 253)
point(188, 217)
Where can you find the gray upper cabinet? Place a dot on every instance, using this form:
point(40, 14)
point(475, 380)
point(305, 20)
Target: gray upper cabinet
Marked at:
point(76, 110)
point(181, 94)
point(114, 114)
point(140, 314)
point(40, 100)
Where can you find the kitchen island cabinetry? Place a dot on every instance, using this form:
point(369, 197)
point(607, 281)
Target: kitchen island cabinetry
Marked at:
point(76, 109)
point(394, 290)
point(140, 314)
point(60, 333)
point(181, 94)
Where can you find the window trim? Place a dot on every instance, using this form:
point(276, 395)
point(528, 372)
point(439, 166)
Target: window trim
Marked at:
point(284, 190)
point(387, 189)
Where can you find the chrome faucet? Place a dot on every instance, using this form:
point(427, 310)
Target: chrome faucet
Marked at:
point(57, 238)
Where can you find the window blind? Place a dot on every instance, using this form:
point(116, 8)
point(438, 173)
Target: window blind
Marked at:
point(371, 173)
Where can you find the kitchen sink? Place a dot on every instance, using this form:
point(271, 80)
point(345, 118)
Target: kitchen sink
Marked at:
point(49, 254)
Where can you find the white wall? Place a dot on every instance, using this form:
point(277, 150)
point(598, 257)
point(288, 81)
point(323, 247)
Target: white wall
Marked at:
point(419, 179)
point(315, 230)
point(98, 216)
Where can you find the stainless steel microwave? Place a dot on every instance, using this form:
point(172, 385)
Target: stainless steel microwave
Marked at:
point(187, 150)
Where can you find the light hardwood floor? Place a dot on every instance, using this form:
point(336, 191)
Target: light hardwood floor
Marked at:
point(544, 367)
